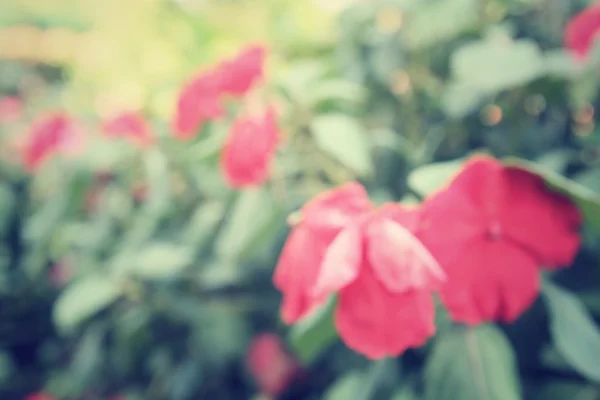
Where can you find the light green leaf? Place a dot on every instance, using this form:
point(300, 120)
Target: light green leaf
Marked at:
point(471, 364)
point(497, 63)
point(405, 393)
point(573, 331)
point(590, 179)
point(161, 261)
point(461, 98)
point(450, 19)
point(254, 211)
point(432, 177)
point(587, 201)
point(337, 90)
point(346, 387)
point(82, 299)
point(343, 138)
point(315, 333)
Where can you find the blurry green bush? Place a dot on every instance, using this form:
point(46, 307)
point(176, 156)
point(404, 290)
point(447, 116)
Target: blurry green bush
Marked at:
point(139, 272)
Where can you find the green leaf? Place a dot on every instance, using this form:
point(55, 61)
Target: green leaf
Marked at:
point(253, 212)
point(573, 330)
point(587, 201)
point(315, 333)
point(452, 18)
point(460, 99)
point(471, 364)
point(343, 138)
point(432, 177)
point(406, 393)
point(346, 387)
point(337, 90)
point(7, 203)
point(161, 261)
point(590, 179)
point(497, 63)
point(82, 299)
point(565, 391)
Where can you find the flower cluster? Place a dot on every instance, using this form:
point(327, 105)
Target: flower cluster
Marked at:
point(479, 243)
point(249, 148)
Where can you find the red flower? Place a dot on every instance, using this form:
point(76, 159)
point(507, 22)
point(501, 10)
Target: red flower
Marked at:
point(238, 75)
point(39, 396)
point(51, 134)
point(582, 31)
point(385, 277)
point(131, 125)
point(271, 365)
point(491, 230)
point(383, 274)
point(248, 151)
point(300, 262)
point(10, 109)
point(199, 101)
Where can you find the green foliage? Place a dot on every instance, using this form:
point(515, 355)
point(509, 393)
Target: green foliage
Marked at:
point(83, 299)
point(574, 332)
point(472, 363)
point(311, 336)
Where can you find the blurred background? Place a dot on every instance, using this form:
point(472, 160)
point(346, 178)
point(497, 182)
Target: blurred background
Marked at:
point(137, 273)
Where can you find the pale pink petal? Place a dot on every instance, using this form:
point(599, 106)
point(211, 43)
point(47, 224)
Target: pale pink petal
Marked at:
point(342, 262)
point(399, 260)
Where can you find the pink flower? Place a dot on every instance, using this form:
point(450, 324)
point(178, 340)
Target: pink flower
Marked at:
point(271, 365)
point(384, 276)
point(491, 230)
point(582, 31)
point(239, 74)
point(10, 109)
point(199, 101)
point(249, 149)
point(131, 125)
point(300, 261)
point(50, 134)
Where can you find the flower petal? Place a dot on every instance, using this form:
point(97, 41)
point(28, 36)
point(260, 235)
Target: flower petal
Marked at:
point(491, 281)
point(539, 219)
point(399, 260)
point(582, 30)
point(377, 323)
point(342, 262)
point(297, 271)
point(336, 208)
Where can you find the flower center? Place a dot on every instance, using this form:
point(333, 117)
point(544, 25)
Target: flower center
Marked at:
point(494, 231)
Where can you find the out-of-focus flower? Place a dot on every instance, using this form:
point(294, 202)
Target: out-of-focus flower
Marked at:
point(238, 75)
point(50, 134)
point(491, 230)
point(199, 101)
point(249, 149)
point(321, 220)
point(61, 272)
point(140, 191)
point(582, 31)
point(39, 396)
point(385, 278)
point(273, 368)
point(10, 109)
point(382, 272)
point(131, 125)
